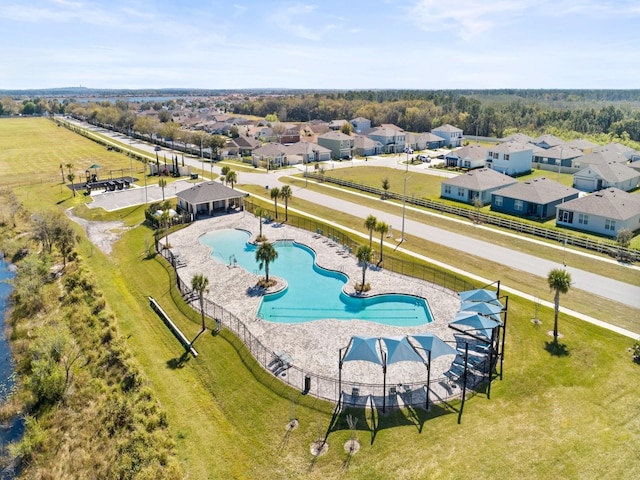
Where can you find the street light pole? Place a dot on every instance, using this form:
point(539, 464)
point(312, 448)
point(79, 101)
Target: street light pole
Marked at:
point(559, 163)
point(306, 173)
point(404, 203)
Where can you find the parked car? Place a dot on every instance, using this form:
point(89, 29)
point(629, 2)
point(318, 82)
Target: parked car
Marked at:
point(424, 158)
point(157, 149)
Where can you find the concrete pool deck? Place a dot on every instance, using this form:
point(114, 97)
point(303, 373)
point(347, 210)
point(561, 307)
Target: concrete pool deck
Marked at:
point(314, 345)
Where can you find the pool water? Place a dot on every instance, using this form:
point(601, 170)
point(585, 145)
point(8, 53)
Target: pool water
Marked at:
point(313, 293)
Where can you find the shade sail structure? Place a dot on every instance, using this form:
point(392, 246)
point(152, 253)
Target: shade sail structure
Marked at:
point(479, 295)
point(479, 323)
point(364, 349)
point(434, 344)
point(95, 165)
point(491, 310)
point(400, 350)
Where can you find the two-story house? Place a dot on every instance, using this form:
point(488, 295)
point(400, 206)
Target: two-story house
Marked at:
point(512, 158)
point(451, 135)
point(392, 139)
point(341, 145)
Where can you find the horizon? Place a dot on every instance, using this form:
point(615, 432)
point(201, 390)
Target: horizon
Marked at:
point(377, 45)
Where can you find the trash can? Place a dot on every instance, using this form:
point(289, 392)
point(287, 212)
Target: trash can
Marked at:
point(194, 176)
point(307, 384)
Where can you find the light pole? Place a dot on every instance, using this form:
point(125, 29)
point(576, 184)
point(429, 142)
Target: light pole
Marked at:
point(404, 203)
point(559, 163)
point(306, 173)
point(406, 150)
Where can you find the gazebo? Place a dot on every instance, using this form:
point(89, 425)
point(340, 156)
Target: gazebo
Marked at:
point(207, 198)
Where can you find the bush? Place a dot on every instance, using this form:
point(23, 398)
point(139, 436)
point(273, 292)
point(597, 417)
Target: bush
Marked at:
point(636, 352)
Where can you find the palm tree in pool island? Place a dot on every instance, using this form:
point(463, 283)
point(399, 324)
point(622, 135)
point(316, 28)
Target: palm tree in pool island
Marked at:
point(559, 281)
point(200, 284)
point(266, 254)
point(364, 255)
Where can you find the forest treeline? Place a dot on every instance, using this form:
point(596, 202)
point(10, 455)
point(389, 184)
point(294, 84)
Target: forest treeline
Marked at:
point(482, 114)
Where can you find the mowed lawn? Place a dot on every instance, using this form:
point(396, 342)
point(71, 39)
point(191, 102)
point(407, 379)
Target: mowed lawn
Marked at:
point(570, 412)
point(34, 148)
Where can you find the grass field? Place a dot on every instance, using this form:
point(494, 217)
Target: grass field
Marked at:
point(557, 413)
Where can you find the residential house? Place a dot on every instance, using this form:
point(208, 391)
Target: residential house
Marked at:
point(308, 152)
point(628, 152)
point(270, 155)
point(452, 135)
point(600, 157)
point(417, 141)
point(547, 141)
point(341, 145)
point(605, 212)
point(393, 141)
point(433, 142)
point(261, 132)
point(242, 146)
point(585, 146)
point(598, 176)
point(480, 183)
point(208, 198)
point(360, 124)
point(366, 146)
point(560, 158)
point(290, 135)
point(537, 198)
point(336, 124)
point(512, 158)
point(471, 156)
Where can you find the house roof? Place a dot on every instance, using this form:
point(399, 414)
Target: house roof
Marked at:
point(518, 137)
point(245, 142)
point(550, 140)
point(270, 150)
point(359, 119)
point(611, 172)
point(610, 203)
point(470, 152)
point(362, 141)
point(581, 144)
point(335, 136)
point(392, 127)
point(511, 147)
point(446, 128)
point(614, 147)
point(384, 132)
point(209, 192)
point(562, 152)
point(603, 157)
point(481, 179)
point(430, 137)
point(539, 190)
point(305, 148)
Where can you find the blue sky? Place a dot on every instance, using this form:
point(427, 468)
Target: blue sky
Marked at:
point(349, 44)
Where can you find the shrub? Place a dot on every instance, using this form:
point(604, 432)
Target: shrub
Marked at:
point(636, 352)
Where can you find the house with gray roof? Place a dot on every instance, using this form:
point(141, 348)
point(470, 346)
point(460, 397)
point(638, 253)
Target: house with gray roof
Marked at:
point(242, 145)
point(471, 156)
point(433, 142)
point(512, 158)
point(418, 141)
point(480, 183)
point(582, 144)
point(452, 135)
point(209, 198)
point(269, 155)
point(605, 212)
point(341, 145)
point(598, 176)
point(360, 124)
point(517, 137)
point(337, 124)
point(365, 146)
point(628, 152)
point(535, 198)
point(600, 157)
point(547, 141)
point(308, 152)
point(560, 158)
point(394, 140)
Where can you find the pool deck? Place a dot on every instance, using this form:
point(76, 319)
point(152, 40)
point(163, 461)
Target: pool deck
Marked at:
point(314, 345)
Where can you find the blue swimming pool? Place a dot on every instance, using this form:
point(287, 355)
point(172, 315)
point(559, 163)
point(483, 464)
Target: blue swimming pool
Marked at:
point(313, 293)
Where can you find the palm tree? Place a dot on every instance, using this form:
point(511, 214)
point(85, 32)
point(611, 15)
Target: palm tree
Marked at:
point(275, 193)
point(259, 212)
point(382, 228)
point(286, 194)
point(162, 183)
point(559, 280)
point(231, 177)
point(364, 256)
point(164, 220)
point(370, 224)
point(266, 254)
point(71, 177)
point(199, 284)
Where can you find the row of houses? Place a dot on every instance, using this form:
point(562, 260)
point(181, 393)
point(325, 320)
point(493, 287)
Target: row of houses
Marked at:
point(604, 212)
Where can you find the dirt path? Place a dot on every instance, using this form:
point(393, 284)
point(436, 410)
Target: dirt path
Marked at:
point(102, 234)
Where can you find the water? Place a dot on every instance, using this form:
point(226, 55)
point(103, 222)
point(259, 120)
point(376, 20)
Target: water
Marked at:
point(13, 430)
point(313, 293)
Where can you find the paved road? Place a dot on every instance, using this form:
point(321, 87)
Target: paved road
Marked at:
point(583, 280)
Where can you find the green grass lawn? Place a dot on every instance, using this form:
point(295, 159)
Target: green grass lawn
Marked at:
point(563, 413)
